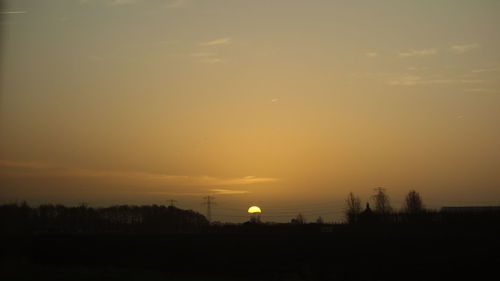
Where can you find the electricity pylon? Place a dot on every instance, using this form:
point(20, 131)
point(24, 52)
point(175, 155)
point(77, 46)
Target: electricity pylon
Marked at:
point(209, 201)
point(172, 202)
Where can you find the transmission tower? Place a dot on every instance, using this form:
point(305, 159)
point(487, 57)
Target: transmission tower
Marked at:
point(209, 201)
point(172, 202)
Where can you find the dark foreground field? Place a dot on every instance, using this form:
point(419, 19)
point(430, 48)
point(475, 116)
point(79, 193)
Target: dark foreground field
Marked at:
point(345, 254)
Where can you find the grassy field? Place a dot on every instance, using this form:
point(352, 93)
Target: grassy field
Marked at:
point(351, 254)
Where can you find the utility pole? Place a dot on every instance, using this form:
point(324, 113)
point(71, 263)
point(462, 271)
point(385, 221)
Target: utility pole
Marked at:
point(172, 202)
point(209, 201)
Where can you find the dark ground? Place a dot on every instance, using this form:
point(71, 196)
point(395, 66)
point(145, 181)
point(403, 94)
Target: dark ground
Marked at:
point(347, 253)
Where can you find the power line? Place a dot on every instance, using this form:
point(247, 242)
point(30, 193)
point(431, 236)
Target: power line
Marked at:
point(303, 205)
point(294, 206)
point(288, 210)
point(286, 216)
point(288, 207)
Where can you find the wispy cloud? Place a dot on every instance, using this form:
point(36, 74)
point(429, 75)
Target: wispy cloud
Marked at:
point(41, 171)
point(201, 54)
point(371, 54)
point(216, 42)
point(206, 57)
point(255, 179)
point(205, 54)
point(211, 60)
point(123, 2)
point(481, 70)
point(411, 80)
point(13, 12)
point(460, 49)
point(167, 4)
point(228, 191)
point(471, 81)
point(414, 68)
point(481, 90)
point(110, 2)
point(406, 80)
point(418, 53)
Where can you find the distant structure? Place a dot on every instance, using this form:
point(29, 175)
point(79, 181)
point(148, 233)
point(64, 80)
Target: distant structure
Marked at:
point(172, 202)
point(367, 216)
point(470, 209)
point(209, 201)
point(368, 210)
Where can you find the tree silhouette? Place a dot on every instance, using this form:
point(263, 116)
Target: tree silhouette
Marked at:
point(21, 218)
point(319, 220)
point(413, 203)
point(353, 208)
point(381, 201)
point(299, 219)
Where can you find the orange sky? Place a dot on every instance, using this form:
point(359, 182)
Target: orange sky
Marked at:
point(288, 105)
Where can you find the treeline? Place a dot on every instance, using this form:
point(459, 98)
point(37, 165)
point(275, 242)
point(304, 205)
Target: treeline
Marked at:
point(413, 211)
point(19, 218)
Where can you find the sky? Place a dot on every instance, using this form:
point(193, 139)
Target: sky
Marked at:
point(288, 105)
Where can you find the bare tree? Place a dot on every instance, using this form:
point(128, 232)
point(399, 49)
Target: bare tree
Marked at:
point(381, 201)
point(353, 208)
point(319, 220)
point(299, 219)
point(413, 203)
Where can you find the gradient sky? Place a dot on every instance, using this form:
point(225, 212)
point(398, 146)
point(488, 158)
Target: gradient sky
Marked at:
point(289, 105)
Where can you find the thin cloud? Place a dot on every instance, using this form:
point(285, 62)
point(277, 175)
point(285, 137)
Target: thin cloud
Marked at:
point(216, 42)
point(481, 90)
point(228, 191)
point(481, 70)
point(40, 171)
point(123, 2)
point(110, 2)
point(412, 80)
point(471, 81)
point(418, 53)
point(176, 193)
point(254, 179)
point(211, 60)
point(201, 54)
point(206, 57)
point(414, 68)
point(371, 54)
point(13, 12)
point(460, 49)
point(406, 80)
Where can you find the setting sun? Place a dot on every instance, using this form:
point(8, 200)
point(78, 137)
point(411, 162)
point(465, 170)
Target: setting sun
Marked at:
point(254, 209)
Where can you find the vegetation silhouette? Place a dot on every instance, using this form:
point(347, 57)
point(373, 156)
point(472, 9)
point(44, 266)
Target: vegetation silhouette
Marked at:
point(299, 219)
point(381, 201)
point(167, 243)
point(353, 208)
point(413, 203)
point(49, 218)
